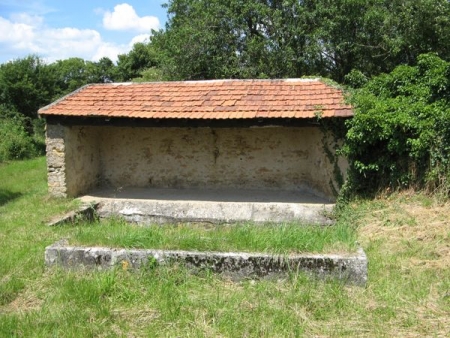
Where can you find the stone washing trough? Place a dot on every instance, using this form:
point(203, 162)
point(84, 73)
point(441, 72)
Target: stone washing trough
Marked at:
point(348, 268)
point(351, 269)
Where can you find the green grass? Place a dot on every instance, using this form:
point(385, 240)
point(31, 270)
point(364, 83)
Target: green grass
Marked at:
point(271, 238)
point(406, 238)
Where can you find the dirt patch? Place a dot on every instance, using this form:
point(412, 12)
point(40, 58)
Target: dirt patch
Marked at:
point(136, 317)
point(23, 303)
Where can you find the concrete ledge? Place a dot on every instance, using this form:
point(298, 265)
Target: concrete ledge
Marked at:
point(151, 211)
point(153, 205)
point(85, 212)
point(350, 269)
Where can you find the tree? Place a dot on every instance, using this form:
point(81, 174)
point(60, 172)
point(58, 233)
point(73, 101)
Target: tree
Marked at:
point(69, 75)
point(216, 39)
point(141, 58)
point(73, 73)
point(28, 84)
point(206, 39)
point(103, 71)
point(25, 85)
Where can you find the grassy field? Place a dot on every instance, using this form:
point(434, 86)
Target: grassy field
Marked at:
point(406, 238)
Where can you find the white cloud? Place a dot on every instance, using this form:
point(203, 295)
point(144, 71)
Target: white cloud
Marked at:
point(26, 34)
point(62, 43)
point(139, 38)
point(14, 32)
point(124, 18)
point(28, 19)
point(109, 50)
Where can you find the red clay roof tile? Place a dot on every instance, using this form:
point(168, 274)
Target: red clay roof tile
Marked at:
point(218, 99)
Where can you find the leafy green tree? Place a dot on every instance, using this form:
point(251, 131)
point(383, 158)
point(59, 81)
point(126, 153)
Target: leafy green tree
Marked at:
point(28, 84)
point(103, 71)
point(207, 39)
point(216, 39)
point(152, 74)
point(424, 26)
point(25, 85)
point(132, 65)
point(70, 74)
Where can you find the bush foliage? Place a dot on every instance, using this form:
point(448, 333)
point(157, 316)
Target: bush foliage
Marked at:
point(400, 134)
point(15, 142)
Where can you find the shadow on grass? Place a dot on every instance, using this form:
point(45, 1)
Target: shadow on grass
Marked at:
point(7, 196)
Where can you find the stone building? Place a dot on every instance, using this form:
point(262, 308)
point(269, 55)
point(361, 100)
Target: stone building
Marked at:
point(252, 135)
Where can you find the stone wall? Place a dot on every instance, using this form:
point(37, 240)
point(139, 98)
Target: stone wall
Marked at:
point(56, 165)
point(287, 158)
point(73, 159)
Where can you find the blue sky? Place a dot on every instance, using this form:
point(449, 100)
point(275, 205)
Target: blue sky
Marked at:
point(59, 29)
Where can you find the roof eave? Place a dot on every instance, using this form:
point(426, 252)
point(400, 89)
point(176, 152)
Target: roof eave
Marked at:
point(41, 111)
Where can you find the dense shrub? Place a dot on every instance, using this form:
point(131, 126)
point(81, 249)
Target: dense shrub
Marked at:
point(15, 141)
point(400, 134)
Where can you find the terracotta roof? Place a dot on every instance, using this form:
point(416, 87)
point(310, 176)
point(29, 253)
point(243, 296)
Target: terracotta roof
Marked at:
point(218, 99)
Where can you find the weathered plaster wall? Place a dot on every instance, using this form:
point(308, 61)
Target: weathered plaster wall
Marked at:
point(73, 159)
point(249, 158)
point(80, 158)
